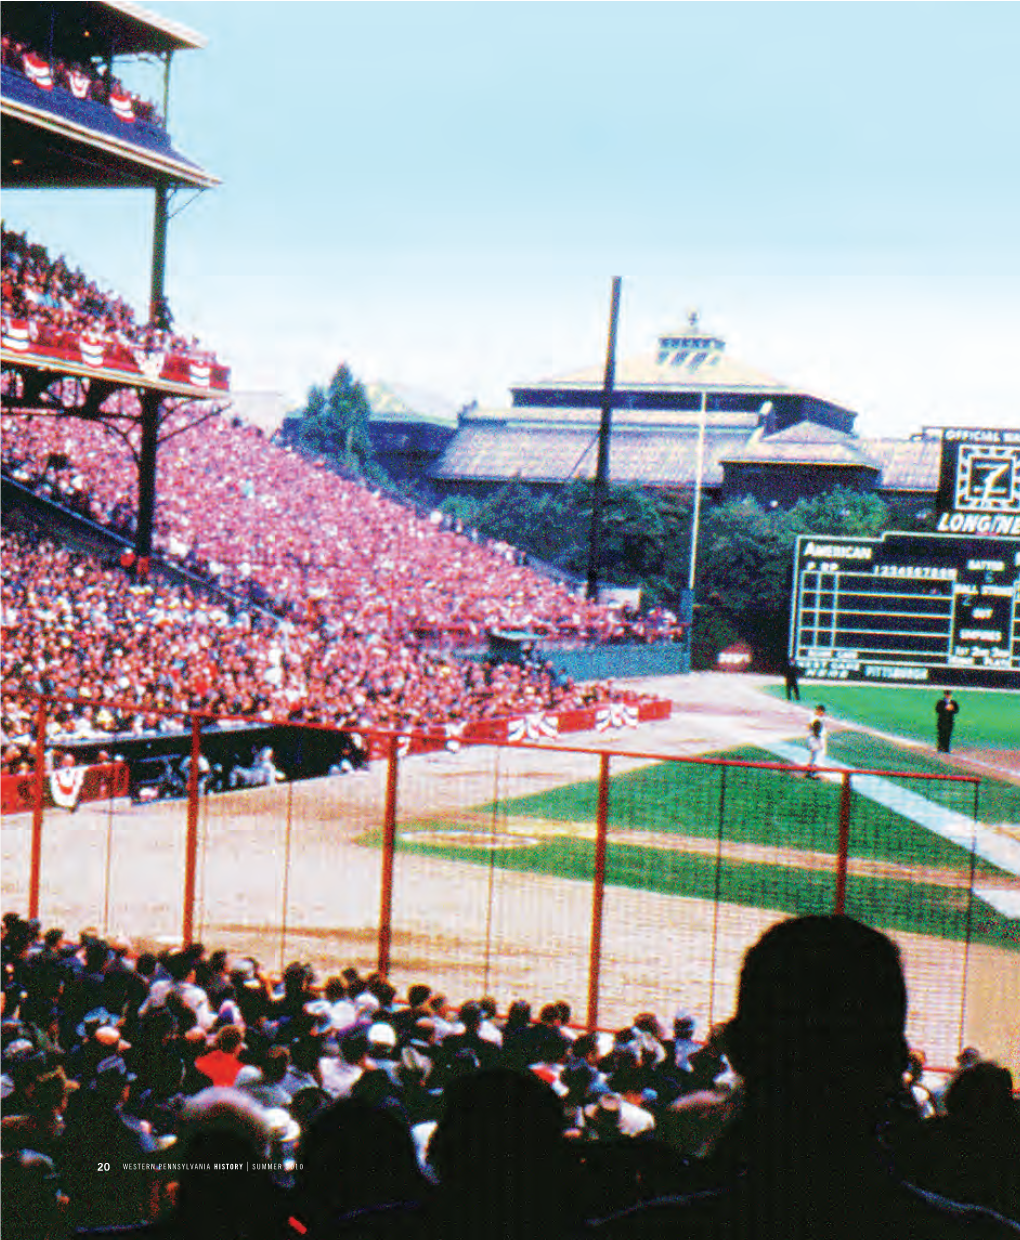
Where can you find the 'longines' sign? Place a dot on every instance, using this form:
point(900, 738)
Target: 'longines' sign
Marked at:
point(979, 482)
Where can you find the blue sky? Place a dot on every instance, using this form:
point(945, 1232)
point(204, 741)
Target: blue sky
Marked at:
point(440, 194)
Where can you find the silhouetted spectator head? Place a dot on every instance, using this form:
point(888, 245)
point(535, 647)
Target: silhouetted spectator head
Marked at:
point(470, 1016)
point(224, 1129)
point(683, 1025)
point(969, 1055)
point(354, 1156)
point(821, 1009)
point(382, 1041)
point(354, 1046)
point(418, 994)
point(180, 966)
point(31, 1196)
point(551, 1015)
point(463, 1063)
point(981, 1094)
point(578, 1080)
point(648, 1022)
point(305, 1053)
point(229, 1039)
point(586, 1047)
point(275, 1065)
point(518, 1014)
point(383, 990)
point(503, 1164)
point(334, 990)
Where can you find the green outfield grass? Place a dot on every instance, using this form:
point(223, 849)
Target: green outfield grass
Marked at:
point(743, 806)
point(986, 720)
point(997, 801)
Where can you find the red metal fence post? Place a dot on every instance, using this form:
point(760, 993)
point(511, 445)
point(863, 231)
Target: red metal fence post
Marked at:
point(389, 848)
point(285, 895)
point(191, 841)
point(598, 892)
point(843, 847)
point(38, 786)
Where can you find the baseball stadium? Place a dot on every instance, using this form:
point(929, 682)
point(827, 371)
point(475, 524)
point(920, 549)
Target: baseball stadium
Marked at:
point(267, 722)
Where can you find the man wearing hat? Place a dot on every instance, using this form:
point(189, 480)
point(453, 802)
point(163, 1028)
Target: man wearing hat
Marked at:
point(98, 1037)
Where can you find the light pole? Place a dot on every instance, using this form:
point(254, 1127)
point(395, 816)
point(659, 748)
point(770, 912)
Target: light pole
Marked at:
point(699, 471)
point(601, 485)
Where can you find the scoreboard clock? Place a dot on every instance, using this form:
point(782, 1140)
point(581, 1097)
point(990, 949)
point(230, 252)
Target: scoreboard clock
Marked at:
point(979, 481)
point(909, 607)
point(987, 478)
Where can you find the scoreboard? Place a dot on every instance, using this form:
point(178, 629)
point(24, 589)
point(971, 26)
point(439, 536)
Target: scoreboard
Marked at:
point(908, 608)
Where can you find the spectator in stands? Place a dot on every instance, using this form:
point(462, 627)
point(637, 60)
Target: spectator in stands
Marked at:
point(266, 1087)
point(167, 652)
point(818, 1040)
point(816, 1062)
point(34, 1204)
point(503, 1164)
point(61, 309)
point(41, 1127)
point(225, 1187)
point(358, 1160)
point(970, 1153)
point(222, 1063)
point(103, 1144)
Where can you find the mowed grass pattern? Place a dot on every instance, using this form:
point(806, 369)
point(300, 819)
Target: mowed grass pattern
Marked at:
point(760, 838)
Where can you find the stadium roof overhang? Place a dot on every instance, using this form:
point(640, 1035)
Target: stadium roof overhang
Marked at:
point(42, 150)
point(85, 30)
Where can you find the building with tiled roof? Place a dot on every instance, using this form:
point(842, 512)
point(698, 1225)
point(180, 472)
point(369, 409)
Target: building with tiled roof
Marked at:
point(762, 437)
point(806, 457)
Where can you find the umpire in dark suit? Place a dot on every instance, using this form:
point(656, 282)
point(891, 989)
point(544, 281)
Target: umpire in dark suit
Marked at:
point(946, 710)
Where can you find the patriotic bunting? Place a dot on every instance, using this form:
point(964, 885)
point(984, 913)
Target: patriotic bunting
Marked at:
point(616, 715)
point(150, 364)
point(79, 83)
point(65, 786)
point(121, 105)
point(535, 727)
point(15, 335)
point(92, 351)
point(38, 70)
